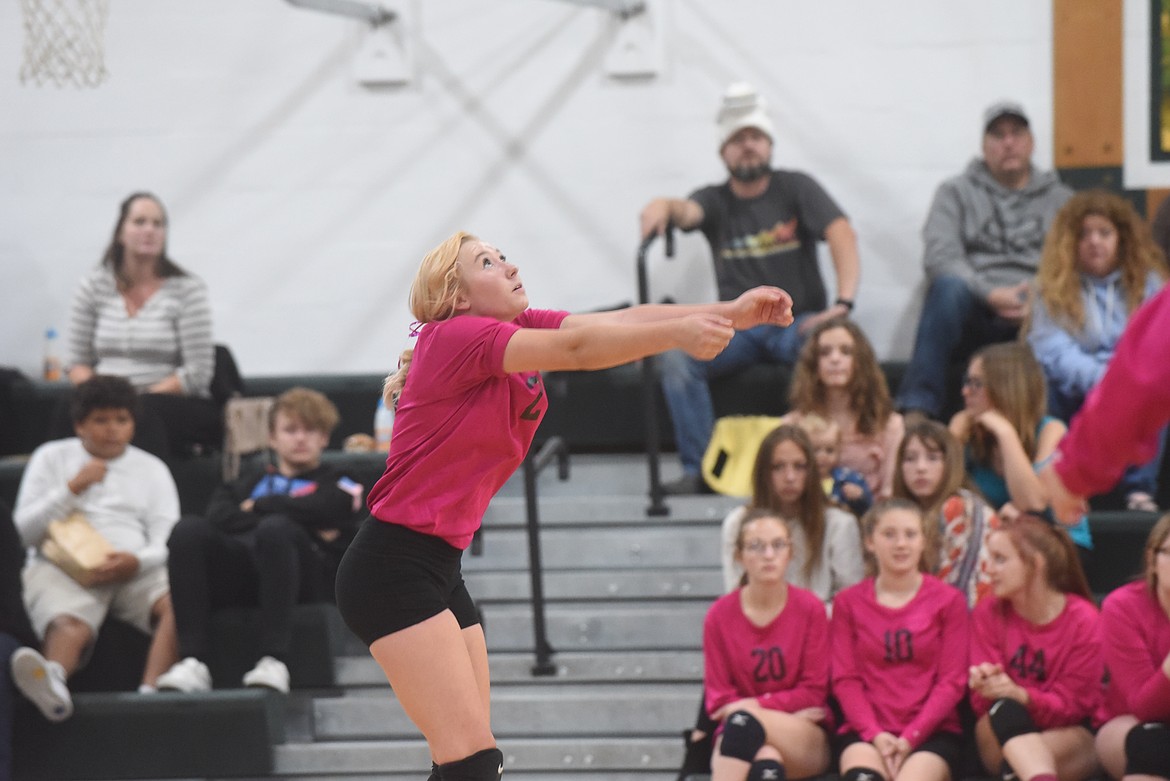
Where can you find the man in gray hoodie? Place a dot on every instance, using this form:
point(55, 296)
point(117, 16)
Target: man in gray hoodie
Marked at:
point(983, 238)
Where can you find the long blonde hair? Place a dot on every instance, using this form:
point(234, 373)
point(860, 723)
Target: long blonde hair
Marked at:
point(1058, 278)
point(433, 296)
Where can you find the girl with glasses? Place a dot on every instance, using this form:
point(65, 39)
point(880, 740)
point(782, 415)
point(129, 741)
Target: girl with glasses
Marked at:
point(766, 664)
point(899, 641)
point(1007, 434)
point(1135, 633)
point(931, 474)
point(1036, 670)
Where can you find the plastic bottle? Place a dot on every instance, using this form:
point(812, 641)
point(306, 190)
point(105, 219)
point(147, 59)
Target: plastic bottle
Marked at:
point(52, 366)
point(383, 426)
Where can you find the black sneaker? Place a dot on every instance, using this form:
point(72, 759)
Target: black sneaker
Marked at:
point(687, 484)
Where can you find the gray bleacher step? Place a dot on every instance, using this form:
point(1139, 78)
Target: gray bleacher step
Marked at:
point(668, 625)
point(544, 757)
point(622, 547)
point(696, 582)
point(664, 625)
point(593, 667)
point(586, 506)
point(576, 710)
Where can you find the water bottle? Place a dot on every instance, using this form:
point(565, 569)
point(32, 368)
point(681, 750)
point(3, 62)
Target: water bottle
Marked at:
point(383, 426)
point(52, 365)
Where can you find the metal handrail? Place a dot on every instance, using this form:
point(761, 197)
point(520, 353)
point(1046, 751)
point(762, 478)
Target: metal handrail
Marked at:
point(533, 465)
point(650, 382)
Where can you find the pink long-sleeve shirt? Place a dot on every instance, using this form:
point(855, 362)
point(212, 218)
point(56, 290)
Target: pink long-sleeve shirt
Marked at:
point(462, 427)
point(900, 670)
point(1059, 663)
point(1135, 636)
point(784, 665)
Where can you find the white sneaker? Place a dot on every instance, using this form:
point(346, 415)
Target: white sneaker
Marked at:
point(42, 682)
point(269, 672)
point(189, 675)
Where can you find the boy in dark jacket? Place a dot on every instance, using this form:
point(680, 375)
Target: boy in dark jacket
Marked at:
point(272, 538)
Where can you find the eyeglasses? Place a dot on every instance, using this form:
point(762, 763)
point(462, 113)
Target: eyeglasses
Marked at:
point(759, 547)
point(974, 383)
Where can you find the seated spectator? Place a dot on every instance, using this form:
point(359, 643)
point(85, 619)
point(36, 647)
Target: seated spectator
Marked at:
point(272, 538)
point(1099, 265)
point(931, 474)
point(766, 664)
point(140, 316)
point(130, 499)
point(763, 226)
point(1006, 434)
point(1135, 633)
point(826, 541)
point(843, 486)
point(899, 646)
point(825, 551)
point(15, 630)
point(838, 377)
point(1036, 670)
point(983, 236)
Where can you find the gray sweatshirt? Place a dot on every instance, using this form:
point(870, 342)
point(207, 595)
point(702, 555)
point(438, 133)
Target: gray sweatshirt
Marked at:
point(988, 235)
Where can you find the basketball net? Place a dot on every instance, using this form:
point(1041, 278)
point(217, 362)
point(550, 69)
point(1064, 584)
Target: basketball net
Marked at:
point(63, 42)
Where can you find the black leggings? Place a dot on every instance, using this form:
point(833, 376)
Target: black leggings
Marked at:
point(274, 566)
point(392, 578)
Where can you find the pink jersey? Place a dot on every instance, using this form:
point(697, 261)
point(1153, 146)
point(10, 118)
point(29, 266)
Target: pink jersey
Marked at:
point(784, 665)
point(900, 670)
point(1059, 663)
point(1135, 636)
point(462, 426)
point(1121, 420)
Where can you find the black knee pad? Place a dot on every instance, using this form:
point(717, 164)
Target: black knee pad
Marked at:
point(1147, 750)
point(1009, 719)
point(766, 770)
point(486, 765)
point(742, 736)
point(862, 774)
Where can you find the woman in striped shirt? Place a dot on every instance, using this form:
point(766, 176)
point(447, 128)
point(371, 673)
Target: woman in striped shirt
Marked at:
point(140, 316)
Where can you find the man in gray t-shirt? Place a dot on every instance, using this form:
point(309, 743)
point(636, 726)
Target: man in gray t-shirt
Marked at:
point(763, 226)
point(983, 237)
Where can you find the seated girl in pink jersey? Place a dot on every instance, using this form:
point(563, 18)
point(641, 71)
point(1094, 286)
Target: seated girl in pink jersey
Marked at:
point(766, 664)
point(469, 398)
point(1036, 666)
point(932, 475)
point(899, 645)
point(1135, 633)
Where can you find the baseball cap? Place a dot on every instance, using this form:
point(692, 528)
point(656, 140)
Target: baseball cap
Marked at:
point(742, 107)
point(1003, 108)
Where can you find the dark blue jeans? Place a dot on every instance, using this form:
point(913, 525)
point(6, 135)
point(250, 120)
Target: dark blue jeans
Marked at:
point(954, 323)
point(688, 395)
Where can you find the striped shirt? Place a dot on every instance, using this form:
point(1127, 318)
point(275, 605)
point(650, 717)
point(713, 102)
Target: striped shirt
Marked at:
point(171, 334)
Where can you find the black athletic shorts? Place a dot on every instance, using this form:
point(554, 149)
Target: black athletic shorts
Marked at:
point(392, 578)
point(947, 745)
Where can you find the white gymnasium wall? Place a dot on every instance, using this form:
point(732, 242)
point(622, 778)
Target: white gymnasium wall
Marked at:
point(306, 200)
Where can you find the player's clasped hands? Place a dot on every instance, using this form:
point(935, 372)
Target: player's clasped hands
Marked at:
point(704, 336)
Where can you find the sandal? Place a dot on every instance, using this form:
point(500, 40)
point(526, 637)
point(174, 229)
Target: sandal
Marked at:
point(1141, 502)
